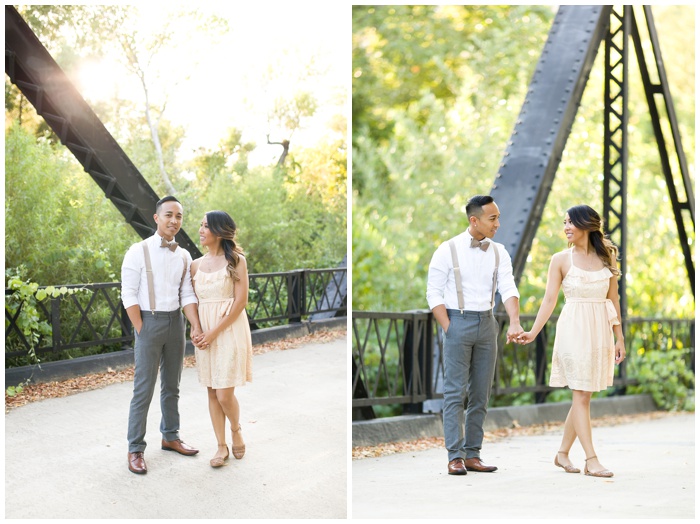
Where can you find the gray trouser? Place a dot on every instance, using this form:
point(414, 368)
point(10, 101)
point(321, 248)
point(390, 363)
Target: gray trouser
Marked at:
point(469, 350)
point(161, 344)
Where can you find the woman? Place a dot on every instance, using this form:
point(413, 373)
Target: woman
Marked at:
point(223, 351)
point(584, 346)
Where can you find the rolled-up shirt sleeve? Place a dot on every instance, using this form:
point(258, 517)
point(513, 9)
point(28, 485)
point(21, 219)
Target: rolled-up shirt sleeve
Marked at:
point(187, 294)
point(438, 273)
point(131, 277)
point(506, 282)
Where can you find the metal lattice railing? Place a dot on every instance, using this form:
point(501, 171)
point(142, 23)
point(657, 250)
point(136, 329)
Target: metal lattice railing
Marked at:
point(397, 357)
point(94, 316)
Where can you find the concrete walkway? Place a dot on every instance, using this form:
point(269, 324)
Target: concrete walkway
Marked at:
point(653, 462)
point(66, 457)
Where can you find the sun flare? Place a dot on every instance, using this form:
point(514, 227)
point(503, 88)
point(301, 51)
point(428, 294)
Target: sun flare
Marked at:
point(98, 81)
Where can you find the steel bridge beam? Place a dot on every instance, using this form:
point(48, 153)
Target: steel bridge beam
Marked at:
point(32, 69)
point(616, 139)
point(534, 151)
point(685, 222)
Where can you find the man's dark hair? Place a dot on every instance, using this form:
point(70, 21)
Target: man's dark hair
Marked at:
point(165, 199)
point(476, 203)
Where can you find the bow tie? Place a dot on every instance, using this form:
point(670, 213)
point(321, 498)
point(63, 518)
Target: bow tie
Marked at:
point(172, 244)
point(484, 245)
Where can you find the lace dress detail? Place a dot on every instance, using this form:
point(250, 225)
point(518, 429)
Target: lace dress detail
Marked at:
point(584, 345)
point(228, 362)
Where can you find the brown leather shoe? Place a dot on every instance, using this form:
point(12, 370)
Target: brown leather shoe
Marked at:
point(456, 467)
point(179, 446)
point(475, 464)
point(137, 464)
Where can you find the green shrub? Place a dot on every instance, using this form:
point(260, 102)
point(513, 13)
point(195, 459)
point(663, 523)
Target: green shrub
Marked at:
point(666, 376)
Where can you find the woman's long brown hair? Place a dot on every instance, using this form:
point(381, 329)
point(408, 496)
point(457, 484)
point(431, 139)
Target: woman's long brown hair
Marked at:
point(587, 219)
point(222, 225)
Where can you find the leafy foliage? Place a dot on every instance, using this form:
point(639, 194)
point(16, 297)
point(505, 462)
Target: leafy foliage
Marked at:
point(58, 224)
point(22, 304)
point(282, 225)
point(436, 92)
point(667, 377)
point(64, 230)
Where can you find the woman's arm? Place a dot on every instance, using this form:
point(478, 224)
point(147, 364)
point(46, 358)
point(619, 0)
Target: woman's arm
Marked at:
point(549, 302)
point(617, 329)
point(240, 292)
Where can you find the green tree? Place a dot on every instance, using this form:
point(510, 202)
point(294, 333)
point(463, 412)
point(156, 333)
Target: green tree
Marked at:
point(436, 91)
point(57, 222)
point(300, 209)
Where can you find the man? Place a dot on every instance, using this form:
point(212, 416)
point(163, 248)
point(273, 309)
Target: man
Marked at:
point(156, 283)
point(468, 262)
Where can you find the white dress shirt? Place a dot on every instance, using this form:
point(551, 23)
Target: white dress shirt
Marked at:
point(167, 267)
point(477, 268)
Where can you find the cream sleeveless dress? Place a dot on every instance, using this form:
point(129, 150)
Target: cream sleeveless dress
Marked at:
point(584, 345)
point(228, 362)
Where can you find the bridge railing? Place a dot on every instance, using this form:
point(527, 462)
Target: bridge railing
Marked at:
point(397, 358)
point(95, 318)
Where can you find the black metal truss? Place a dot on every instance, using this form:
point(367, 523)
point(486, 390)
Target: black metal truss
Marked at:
point(615, 138)
point(535, 148)
point(32, 69)
point(534, 151)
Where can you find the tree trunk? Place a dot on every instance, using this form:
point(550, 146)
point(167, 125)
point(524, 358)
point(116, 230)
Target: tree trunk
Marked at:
point(156, 139)
point(285, 150)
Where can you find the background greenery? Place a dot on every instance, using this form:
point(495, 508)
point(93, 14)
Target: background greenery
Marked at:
point(435, 94)
point(60, 228)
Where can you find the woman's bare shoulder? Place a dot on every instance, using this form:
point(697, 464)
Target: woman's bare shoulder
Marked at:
point(195, 264)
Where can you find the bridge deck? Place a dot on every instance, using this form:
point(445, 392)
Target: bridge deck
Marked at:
point(66, 457)
point(653, 461)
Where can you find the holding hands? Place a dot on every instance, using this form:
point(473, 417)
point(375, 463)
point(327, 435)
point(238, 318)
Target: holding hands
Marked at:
point(525, 338)
point(202, 339)
point(515, 331)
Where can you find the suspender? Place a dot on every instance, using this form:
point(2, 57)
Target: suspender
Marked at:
point(149, 276)
point(458, 275)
